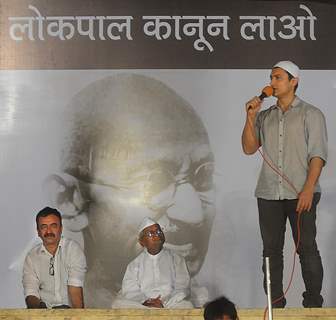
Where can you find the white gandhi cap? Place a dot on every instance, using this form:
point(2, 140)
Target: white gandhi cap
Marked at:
point(146, 222)
point(288, 66)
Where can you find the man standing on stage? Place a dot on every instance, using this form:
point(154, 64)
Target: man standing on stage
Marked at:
point(293, 137)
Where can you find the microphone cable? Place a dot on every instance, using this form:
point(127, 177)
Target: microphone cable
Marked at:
point(297, 243)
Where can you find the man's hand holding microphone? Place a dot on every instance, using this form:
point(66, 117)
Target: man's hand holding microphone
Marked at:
point(249, 142)
point(253, 106)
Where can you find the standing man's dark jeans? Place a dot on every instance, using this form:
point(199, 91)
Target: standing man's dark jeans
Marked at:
point(273, 215)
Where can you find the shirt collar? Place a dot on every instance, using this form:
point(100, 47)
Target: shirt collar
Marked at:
point(296, 102)
point(44, 250)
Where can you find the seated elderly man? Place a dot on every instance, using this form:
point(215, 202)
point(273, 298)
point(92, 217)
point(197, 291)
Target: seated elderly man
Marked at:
point(157, 277)
point(54, 270)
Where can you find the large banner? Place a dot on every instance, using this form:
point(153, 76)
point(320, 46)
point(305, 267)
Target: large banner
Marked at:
point(116, 110)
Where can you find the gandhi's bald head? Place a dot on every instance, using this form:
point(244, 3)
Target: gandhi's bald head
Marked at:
point(125, 118)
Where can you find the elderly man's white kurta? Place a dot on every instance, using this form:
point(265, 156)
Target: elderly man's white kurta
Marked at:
point(164, 275)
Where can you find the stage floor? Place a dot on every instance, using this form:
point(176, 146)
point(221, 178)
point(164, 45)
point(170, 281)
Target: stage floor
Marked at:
point(131, 314)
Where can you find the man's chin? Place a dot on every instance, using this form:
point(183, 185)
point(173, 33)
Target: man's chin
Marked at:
point(49, 240)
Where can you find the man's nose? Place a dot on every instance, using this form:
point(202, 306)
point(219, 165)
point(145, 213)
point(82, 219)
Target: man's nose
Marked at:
point(187, 206)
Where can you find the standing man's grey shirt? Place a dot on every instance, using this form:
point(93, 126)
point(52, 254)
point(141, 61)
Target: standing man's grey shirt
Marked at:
point(293, 139)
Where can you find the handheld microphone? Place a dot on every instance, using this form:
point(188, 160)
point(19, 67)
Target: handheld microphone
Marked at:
point(266, 92)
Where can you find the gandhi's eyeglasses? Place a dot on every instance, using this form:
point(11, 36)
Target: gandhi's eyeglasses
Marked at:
point(152, 234)
point(51, 266)
point(160, 179)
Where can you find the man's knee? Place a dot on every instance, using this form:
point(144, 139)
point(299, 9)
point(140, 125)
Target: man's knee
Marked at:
point(273, 253)
point(308, 249)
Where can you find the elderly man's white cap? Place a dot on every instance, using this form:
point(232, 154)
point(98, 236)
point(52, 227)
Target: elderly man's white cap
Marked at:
point(146, 222)
point(288, 66)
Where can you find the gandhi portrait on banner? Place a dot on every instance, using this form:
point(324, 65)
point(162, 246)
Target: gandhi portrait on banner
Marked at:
point(135, 148)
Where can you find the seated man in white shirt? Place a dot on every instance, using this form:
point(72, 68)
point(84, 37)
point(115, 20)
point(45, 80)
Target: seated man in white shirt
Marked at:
point(53, 271)
point(157, 277)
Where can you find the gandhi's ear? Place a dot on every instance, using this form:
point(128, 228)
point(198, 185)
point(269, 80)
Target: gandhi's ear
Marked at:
point(63, 192)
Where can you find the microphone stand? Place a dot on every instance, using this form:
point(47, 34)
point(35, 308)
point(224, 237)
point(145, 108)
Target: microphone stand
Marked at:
point(268, 286)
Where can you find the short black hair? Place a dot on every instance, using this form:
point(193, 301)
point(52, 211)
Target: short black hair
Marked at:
point(47, 211)
point(218, 308)
point(290, 77)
